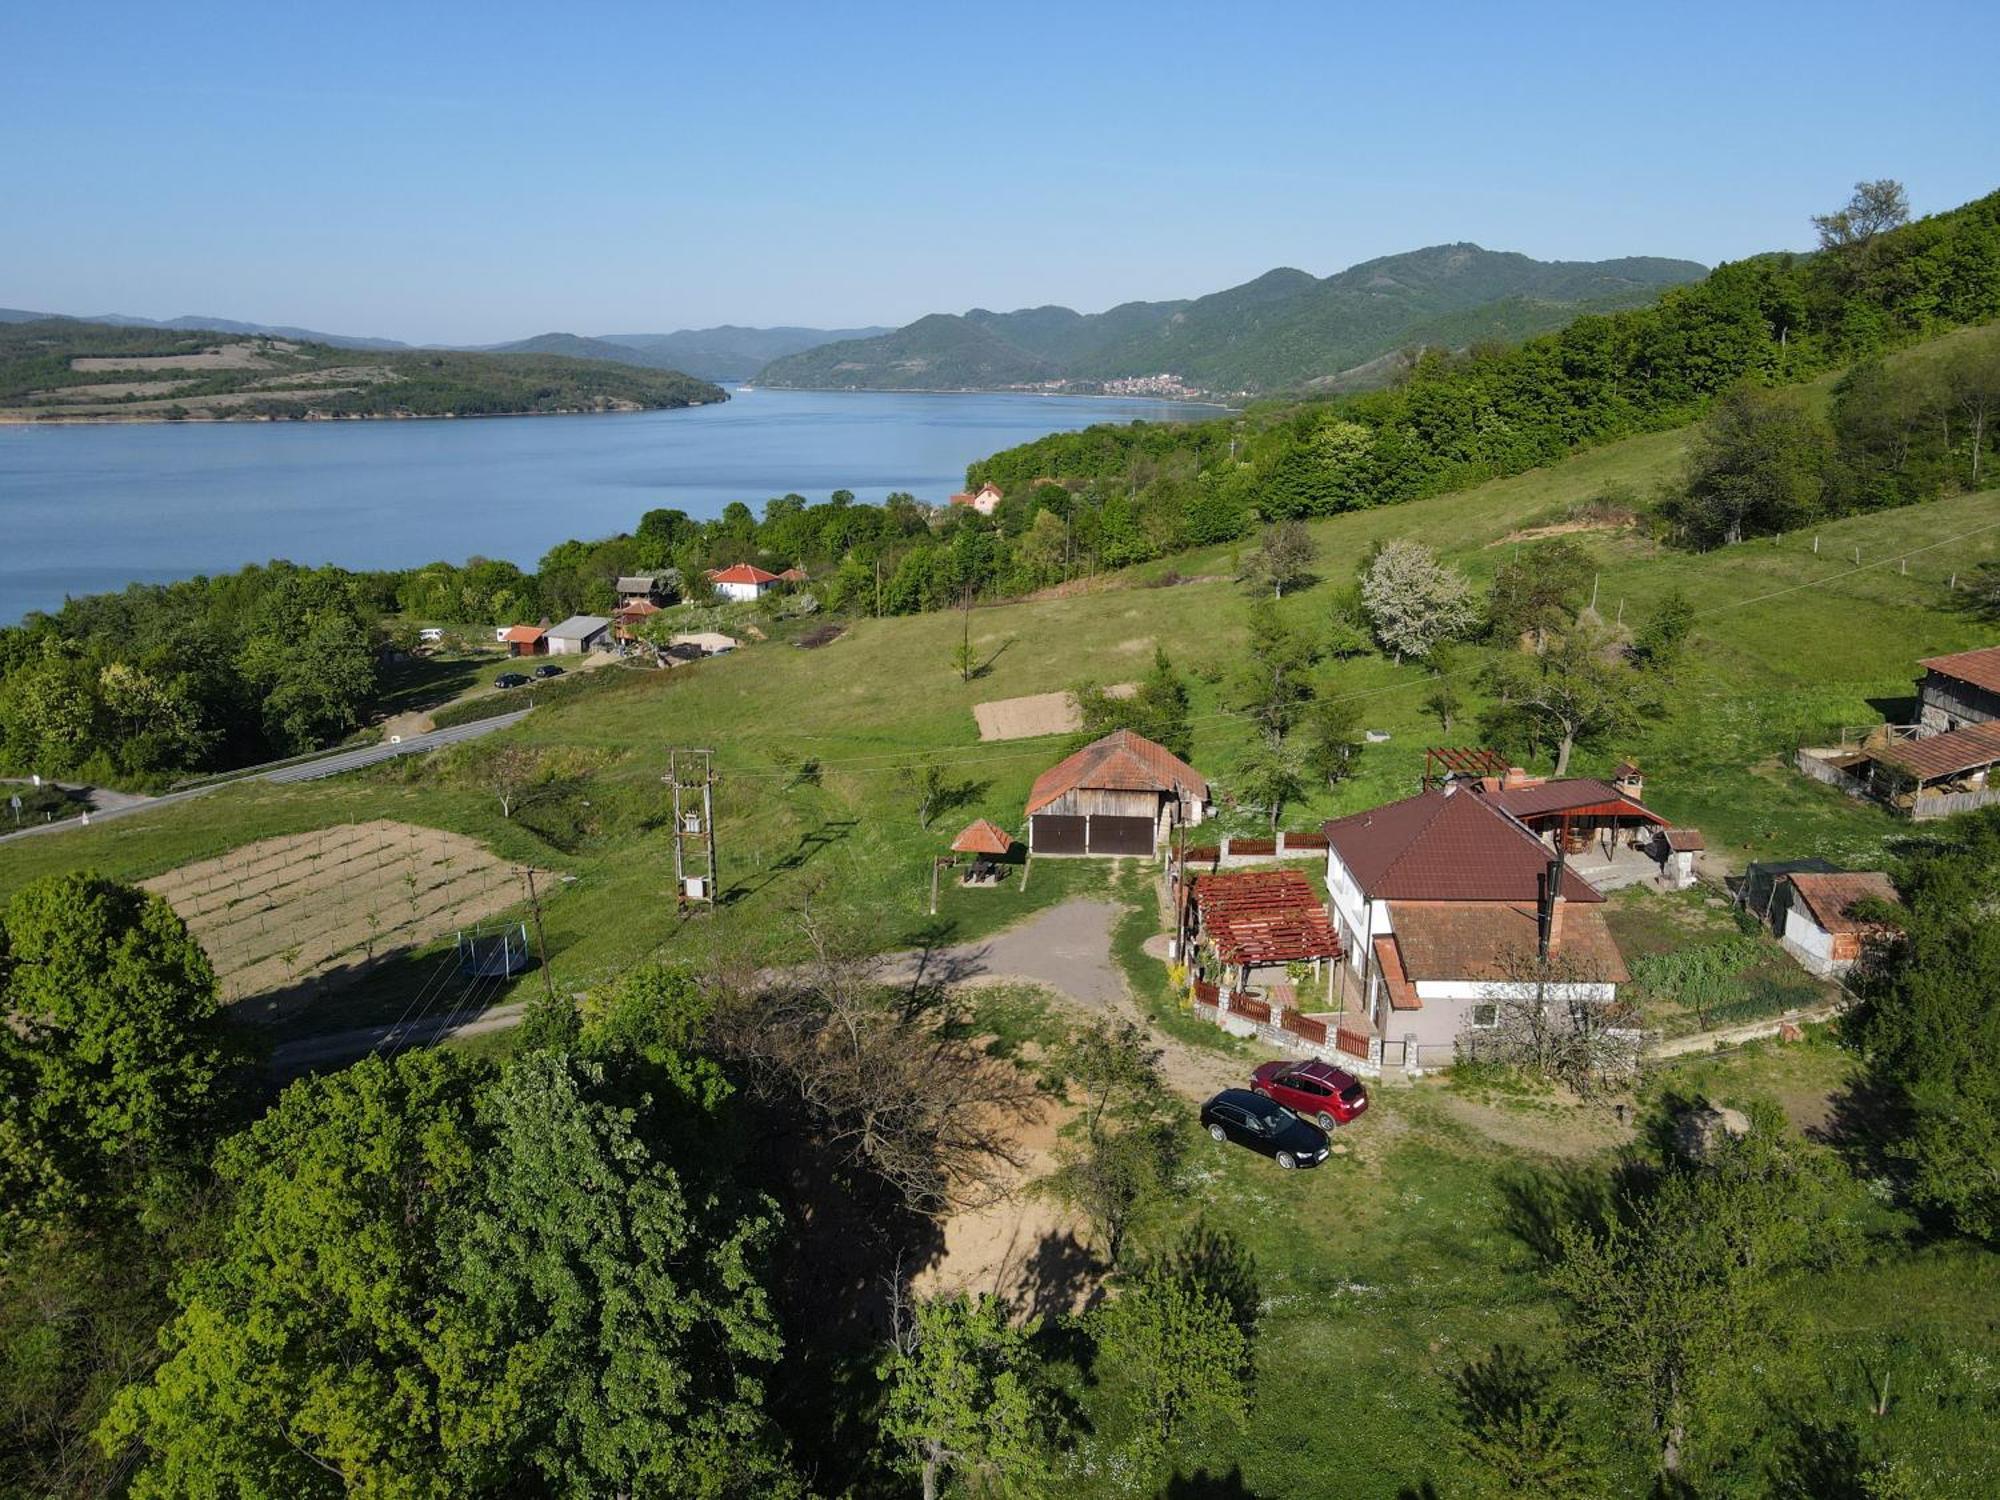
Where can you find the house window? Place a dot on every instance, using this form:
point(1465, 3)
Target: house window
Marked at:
point(1485, 1015)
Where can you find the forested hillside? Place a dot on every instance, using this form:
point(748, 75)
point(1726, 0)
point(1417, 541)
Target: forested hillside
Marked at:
point(61, 368)
point(1283, 330)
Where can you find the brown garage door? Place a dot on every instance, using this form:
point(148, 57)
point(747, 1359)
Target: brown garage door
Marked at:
point(1053, 833)
point(1121, 835)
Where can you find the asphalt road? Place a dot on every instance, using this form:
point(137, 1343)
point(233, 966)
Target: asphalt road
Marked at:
point(312, 770)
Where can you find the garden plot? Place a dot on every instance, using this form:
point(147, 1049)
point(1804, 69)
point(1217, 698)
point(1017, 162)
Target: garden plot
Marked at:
point(1037, 714)
point(320, 907)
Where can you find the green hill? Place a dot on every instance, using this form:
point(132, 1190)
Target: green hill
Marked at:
point(1284, 330)
point(74, 371)
point(937, 353)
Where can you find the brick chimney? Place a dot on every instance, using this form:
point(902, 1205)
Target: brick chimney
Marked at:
point(1515, 777)
point(1556, 904)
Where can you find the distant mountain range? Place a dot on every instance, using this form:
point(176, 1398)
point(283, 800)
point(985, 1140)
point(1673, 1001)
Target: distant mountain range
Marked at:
point(725, 353)
point(1285, 330)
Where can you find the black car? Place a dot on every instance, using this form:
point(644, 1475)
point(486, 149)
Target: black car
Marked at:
point(509, 680)
point(548, 669)
point(1264, 1125)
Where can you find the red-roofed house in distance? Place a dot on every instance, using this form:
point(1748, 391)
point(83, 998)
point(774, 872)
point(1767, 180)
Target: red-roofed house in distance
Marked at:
point(1122, 794)
point(525, 640)
point(742, 582)
point(1445, 903)
point(986, 499)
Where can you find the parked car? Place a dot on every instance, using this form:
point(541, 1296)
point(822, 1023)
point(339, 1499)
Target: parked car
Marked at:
point(548, 669)
point(1263, 1124)
point(1317, 1090)
point(510, 680)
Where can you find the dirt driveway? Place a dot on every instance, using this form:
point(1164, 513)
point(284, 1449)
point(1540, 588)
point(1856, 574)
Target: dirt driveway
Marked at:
point(1067, 949)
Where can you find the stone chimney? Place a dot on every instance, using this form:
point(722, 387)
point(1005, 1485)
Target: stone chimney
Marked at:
point(1629, 781)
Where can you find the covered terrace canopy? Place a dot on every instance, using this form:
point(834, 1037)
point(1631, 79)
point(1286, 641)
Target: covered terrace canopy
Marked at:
point(1969, 752)
point(1255, 917)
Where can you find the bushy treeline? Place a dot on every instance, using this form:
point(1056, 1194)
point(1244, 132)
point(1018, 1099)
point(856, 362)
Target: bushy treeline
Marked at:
point(200, 674)
point(1459, 419)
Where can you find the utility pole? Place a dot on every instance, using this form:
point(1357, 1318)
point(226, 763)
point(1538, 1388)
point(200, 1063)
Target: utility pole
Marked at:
point(689, 771)
point(541, 942)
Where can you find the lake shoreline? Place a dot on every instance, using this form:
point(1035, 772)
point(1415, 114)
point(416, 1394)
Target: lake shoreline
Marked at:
point(89, 507)
point(155, 419)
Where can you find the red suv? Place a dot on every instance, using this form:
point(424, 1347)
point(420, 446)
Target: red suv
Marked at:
point(1317, 1090)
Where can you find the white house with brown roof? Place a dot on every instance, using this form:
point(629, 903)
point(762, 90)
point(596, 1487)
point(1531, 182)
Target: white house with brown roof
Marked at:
point(742, 582)
point(986, 499)
point(1446, 904)
point(1122, 794)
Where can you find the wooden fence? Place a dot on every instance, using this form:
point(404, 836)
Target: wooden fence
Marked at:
point(1305, 1026)
point(1353, 1043)
point(1250, 1010)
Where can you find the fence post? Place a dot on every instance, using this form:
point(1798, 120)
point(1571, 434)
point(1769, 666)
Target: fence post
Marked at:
point(1223, 858)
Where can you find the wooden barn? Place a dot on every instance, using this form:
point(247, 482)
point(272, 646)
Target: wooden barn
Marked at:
point(1122, 794)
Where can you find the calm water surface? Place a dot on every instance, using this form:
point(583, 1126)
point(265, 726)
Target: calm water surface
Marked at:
point(86, 509)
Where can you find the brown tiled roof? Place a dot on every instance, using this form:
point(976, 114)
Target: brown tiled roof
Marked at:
point(983, 837)
point(1389, 964)
point(1264, 917)
point(524, 635)
point(1830, 899)
point(1441, 846)
point(1122, 761)
point(1940, 755)
point(1491, 940)
point(1981, 668)
point(1574, 794)
point(1686, 840)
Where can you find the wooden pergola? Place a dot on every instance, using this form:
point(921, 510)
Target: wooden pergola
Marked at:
point(1252, 918)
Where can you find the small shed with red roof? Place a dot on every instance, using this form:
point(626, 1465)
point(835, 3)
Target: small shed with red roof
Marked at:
point(525, 640)
point(1822, 917)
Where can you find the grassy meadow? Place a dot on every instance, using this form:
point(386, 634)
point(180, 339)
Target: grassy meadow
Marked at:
point(1790, 644)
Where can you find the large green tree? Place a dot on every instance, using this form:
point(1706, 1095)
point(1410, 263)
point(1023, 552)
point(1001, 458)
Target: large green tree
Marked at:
point(438, 1283)
point(1667, 1298)
point(1933, 1029)
point(115, 1059)
point(963, 1395)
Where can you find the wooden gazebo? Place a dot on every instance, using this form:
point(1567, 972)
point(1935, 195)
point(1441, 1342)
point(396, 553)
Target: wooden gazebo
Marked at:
point(987, 842)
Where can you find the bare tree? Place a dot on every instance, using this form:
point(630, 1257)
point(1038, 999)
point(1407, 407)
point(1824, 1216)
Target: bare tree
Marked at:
point(1546, 1022)
point(884, 1076)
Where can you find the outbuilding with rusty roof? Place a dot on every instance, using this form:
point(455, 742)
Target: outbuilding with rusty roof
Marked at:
point(1122, 794)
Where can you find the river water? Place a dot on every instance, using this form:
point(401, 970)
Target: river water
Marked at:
point(84, 509)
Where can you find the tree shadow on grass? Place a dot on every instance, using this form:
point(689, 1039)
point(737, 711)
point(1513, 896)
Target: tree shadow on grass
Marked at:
point(1206, 1484)
point(829, 833)
point(1538, 1203)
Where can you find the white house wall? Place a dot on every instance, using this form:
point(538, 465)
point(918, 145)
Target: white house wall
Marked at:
point(1810, 943)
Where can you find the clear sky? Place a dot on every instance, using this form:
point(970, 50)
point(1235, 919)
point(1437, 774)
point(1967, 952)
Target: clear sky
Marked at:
point(478, 172)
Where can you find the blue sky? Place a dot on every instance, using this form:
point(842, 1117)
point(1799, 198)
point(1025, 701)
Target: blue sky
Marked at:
point(465, 173)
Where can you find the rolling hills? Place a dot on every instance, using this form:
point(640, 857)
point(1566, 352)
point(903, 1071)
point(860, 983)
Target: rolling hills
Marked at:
point(66, 370)
point(1284, 330)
